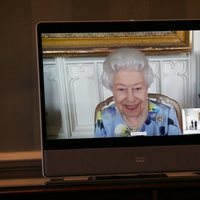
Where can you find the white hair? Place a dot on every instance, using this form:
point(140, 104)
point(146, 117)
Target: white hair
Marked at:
point(126, 58)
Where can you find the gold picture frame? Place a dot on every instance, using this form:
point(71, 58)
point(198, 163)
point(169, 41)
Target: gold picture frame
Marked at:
point(87, 44)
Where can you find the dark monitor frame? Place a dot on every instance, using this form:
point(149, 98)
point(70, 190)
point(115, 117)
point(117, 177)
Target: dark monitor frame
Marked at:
point(188, 144)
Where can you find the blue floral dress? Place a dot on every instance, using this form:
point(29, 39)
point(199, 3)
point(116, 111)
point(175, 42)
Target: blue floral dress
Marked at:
point(161, 121)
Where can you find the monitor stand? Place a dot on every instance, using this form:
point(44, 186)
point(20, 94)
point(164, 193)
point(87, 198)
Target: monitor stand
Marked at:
point(104, 178)
point(128, 177)
point(122, 178)
point(148, 176)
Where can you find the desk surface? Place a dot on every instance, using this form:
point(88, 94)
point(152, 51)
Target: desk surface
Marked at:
point(173, 188)
point(41, 183)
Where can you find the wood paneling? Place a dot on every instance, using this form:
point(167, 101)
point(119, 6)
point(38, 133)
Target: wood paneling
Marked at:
point(19, 100)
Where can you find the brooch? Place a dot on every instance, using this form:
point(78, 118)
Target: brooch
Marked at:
point(159, 118)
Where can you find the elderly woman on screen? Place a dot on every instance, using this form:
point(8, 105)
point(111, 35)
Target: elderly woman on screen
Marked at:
point(127, 73)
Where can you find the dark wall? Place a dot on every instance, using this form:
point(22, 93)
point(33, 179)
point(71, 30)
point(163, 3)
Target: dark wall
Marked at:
point(19, 119)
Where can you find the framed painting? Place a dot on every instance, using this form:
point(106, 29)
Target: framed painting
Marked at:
point(85, 44)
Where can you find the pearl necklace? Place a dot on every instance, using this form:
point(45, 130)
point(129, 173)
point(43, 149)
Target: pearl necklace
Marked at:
point(134, 129)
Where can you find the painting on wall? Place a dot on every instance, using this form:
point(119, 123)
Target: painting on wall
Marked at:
point(87, 44)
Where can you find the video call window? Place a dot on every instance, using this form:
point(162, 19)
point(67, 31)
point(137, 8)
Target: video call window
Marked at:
point(72, 77)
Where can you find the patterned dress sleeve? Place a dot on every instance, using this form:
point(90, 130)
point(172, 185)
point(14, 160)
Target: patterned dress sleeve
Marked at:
point(99, 126)
point(173, 123)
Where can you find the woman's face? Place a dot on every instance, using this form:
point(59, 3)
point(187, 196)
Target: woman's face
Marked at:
point(130, 92)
